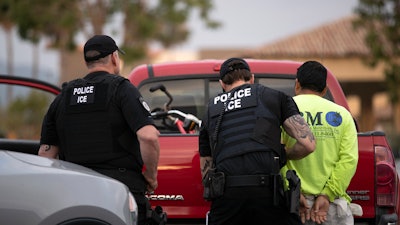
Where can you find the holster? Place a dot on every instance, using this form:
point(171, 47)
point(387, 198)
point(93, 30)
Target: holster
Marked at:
point(277, 189)
point(156, 216)
point(214, 184)
point(293, 193)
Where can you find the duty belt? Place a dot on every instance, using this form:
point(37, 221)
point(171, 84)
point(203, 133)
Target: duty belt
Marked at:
point(248, 181)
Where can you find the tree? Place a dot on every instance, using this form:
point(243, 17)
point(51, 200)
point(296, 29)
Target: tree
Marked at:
point(6, 22)
point(25, 115)
point(144, 22)
point(58, 20)
point(381, 19)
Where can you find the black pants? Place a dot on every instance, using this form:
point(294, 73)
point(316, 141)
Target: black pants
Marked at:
point(295, 220)
point(250, 206)
point(137, 186)
point(142, 203)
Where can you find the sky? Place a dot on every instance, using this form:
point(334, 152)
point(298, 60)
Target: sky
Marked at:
point(245, 24)
point(253, 23)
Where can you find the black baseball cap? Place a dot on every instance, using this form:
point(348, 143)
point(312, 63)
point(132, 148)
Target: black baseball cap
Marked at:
point(101, 43)
point(232, 64)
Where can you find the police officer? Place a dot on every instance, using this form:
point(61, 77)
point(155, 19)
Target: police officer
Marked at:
point(241, 138)
point(102, 122)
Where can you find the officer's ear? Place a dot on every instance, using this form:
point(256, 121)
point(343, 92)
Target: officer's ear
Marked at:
point(297, 87)
point(252, 78)
point(114, 58)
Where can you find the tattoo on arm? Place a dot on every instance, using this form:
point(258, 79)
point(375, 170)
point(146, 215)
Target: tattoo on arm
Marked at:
point(300, 127)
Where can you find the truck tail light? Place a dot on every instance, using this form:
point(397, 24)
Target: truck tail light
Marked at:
point(386, 178)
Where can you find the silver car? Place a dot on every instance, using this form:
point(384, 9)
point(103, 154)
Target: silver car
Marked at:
point(39, 191)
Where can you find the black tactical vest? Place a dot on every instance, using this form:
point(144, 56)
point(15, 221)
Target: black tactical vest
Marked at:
point(247, 125)
point(86, 119)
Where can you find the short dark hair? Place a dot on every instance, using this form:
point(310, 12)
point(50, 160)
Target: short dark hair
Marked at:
point(234, 69)
point(312, 75)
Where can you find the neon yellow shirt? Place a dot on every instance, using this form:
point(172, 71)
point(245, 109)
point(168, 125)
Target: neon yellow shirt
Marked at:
point(330, 168)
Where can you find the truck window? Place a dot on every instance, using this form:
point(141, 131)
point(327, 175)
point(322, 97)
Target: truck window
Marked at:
point(285, 85)
point(215, 88)
point(188, 96)
point(191, 95)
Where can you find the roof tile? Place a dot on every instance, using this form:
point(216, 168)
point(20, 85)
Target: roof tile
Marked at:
point(336, 39)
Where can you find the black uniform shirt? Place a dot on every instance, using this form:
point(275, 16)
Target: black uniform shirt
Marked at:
point(127, 111)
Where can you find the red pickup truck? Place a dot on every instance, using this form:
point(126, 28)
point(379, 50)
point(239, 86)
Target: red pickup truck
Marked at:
point(191, 84)
point(178, 92)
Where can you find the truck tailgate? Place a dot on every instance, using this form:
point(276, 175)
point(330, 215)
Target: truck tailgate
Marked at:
point(362, 186)
point(179, 191)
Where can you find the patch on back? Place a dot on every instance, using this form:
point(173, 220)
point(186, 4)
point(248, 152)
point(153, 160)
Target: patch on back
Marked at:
point(83, 95)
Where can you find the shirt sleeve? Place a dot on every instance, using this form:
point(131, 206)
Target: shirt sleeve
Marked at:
point(346, 167)
point(288, 107)
point(49, 130)
point(280, 103)
point(135, 110)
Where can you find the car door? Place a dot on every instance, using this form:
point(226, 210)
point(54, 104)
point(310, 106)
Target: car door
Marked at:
point(23, 103)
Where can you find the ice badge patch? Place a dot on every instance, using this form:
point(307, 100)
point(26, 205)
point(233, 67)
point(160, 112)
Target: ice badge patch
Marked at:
point(145, 105)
